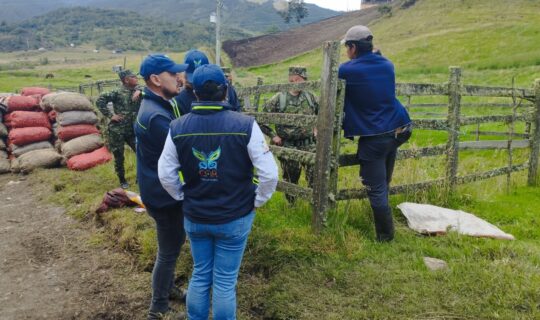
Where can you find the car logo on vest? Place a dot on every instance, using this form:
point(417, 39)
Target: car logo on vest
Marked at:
point(208, 164)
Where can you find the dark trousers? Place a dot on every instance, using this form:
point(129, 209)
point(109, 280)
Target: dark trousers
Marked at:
point(377, 156)
point(171, 237)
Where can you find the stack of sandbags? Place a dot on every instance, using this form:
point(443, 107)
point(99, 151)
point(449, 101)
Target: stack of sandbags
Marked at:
point(5, 164)
point(29, 127)
point(78, 137)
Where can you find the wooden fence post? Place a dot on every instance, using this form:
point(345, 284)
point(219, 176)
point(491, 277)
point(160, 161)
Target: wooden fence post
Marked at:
point(325, 133)
point(535, 138)
point(454, 114)
point(336, 144)
point(258, 95)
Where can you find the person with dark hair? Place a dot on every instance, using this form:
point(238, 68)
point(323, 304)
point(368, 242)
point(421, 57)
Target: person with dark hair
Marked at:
point(232, 96)
point(216, 151)
point(373, 112)
point(121, 115)
point(193, 59)
point(162, 77)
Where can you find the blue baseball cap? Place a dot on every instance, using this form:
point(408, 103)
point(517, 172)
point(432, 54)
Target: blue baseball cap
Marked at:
point(194, 59)
point(158, 63)
point(205, 73)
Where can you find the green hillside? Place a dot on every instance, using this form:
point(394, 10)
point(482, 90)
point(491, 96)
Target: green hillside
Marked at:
point(254, 16)
point(492, 40)
point(108, 29)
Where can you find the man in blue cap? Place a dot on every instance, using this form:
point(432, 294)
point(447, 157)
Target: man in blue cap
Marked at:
point(162, 77)
point(193, 59)
point(216, 150)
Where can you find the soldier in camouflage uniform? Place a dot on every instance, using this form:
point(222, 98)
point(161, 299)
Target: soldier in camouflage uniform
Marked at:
point(301, 138)
point(125, 106)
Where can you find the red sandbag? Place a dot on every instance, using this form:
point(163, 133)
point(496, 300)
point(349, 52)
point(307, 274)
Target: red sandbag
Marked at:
point(78, 130)
point(52, 116)
point(24, 136)
point(25, 119)
point(22, 103)
point(89, 160)
point(31, 91)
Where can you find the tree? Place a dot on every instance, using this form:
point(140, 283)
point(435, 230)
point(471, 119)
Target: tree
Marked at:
point(296, 9)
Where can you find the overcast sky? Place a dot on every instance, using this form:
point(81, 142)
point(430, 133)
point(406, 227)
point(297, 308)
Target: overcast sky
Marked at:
point(338, 5)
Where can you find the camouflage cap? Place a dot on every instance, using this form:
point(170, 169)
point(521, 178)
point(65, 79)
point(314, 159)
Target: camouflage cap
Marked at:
point(125, 73)
point(300, 71)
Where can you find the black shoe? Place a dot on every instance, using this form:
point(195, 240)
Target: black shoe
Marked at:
point(169, 315)
point(384, 225)
point(178, 294)
point(124, 185)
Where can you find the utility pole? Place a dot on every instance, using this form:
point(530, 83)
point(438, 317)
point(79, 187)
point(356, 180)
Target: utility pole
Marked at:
point(218, 32)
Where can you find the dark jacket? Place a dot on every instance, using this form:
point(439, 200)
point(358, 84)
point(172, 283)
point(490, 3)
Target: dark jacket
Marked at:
point(371, 106)
point(151, 129)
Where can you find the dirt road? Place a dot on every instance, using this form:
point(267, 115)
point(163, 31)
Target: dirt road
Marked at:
point(50, 270)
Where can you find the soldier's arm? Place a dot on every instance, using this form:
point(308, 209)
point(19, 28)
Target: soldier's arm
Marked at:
point(271, 105)
point(103, 100)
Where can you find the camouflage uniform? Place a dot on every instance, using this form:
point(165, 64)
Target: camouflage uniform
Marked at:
point(120, 132)
point(301, 138)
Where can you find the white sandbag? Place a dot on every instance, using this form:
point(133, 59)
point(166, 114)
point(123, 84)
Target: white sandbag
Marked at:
point(80, 145)
point(19, 151)
point(3, 154)
point(429, 219)
point(46, 158)
point(2, 144)
point(69, 101)
point(76, 117)
point(5, 166)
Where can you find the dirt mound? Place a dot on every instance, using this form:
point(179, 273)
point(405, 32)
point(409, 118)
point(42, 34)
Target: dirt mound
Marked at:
point(279, 46)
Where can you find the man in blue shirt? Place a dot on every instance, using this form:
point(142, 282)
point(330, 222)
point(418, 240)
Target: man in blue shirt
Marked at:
point(162, 77)
point(373, 112)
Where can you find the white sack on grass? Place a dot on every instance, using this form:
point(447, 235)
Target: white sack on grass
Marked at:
point(76, 117)
point(429, 219)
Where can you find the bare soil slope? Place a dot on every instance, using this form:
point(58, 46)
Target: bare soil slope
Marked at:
point(48, 269)
point(283, 45)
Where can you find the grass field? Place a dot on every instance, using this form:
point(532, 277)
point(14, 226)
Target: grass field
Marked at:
point(289, 273)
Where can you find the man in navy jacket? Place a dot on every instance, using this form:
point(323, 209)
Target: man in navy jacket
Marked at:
point(373, 112)
point(161, 75)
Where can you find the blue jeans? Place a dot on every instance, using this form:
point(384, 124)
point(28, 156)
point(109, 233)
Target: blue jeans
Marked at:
point(171, 237)
point(217, 252)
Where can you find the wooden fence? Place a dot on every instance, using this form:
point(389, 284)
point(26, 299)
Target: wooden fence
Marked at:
point(327, 160)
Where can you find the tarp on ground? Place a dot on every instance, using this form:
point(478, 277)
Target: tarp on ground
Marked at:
point(432, 220)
